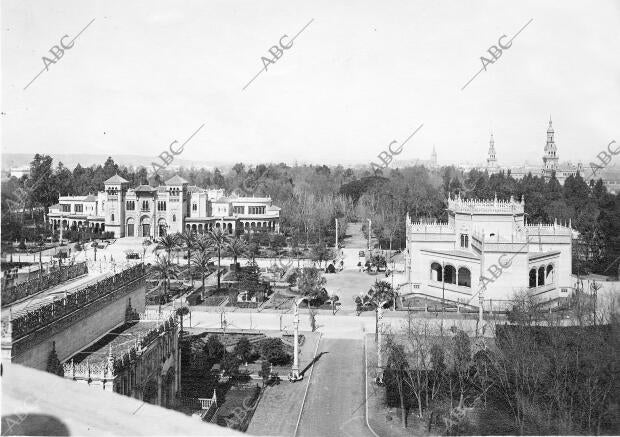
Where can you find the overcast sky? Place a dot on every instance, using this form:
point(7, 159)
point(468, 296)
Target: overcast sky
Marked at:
point(362, 74)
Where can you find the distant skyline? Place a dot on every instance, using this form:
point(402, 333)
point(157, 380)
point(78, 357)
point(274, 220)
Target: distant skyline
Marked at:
point(361, 75)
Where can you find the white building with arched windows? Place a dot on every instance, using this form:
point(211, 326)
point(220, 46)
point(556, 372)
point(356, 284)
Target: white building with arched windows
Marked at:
point(147, 211)
point(487, 250)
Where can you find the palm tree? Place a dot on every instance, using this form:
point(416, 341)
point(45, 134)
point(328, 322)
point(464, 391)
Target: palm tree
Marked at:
point(237, 247)
point(164, 270)
point(202, 243)
point(200, 262)
point(187, 240)
point(168, 243)
point(218, 240)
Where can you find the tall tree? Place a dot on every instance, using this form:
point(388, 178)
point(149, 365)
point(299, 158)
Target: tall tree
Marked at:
point(40, 184)
point(187, 240)
point(200, 262)
point(164, 270)
point(219, 240)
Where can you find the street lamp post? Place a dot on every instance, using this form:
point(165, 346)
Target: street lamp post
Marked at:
point(295, 375)
point(379, 342)
point(295, 369)
point(336, 237)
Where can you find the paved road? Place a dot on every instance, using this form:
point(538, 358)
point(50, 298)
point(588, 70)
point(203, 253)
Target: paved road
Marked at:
point(335, 402)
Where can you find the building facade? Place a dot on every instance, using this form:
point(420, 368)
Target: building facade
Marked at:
point(141, 359)
point(147, 211)
point(487, 250)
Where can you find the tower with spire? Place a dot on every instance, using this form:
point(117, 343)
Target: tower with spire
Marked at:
point(491, 159)
point(551, 157)
point(434, 157)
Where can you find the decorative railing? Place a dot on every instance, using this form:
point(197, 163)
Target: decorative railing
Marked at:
point(13, 293)
point(431, 227)
point(46, 314)
point(486, 206)
point(205, 404)
point(95, 371)
point(548, 229)
point(202, 403)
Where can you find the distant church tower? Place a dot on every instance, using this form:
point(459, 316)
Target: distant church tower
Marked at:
point(434, 157)
point(551, 157)
point(491, 159)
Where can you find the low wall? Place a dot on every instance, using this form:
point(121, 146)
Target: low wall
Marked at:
point(33, 286)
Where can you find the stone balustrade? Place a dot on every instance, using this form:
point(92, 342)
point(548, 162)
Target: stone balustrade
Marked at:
point(40, 317)
point(20, 291)
point(552, 229)
point(431, 228)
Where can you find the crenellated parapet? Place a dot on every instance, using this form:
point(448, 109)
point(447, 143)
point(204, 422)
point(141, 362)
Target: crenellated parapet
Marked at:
point(495, 206)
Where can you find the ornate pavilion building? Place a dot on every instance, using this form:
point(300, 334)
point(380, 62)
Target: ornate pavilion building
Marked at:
point(147, 211)
point(486, 248)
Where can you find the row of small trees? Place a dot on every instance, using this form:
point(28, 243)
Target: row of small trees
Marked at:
point(544, 378)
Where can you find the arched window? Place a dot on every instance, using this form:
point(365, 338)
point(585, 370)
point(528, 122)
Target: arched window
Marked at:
point(112, 217)
point(464, 277)
point(464, 241)
point(174, 217)
point(449, 275)
point(436, 272)
point(550, 274)
point(541, 275)
point(532, 278)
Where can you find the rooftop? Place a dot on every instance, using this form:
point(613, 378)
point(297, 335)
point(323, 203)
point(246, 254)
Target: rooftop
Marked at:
point(116, 179)
point(39, 403)
point(176, 180)
point(144, 188)
point(119, 341)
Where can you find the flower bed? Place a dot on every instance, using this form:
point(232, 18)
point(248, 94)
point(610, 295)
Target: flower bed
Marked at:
point(215, 300)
